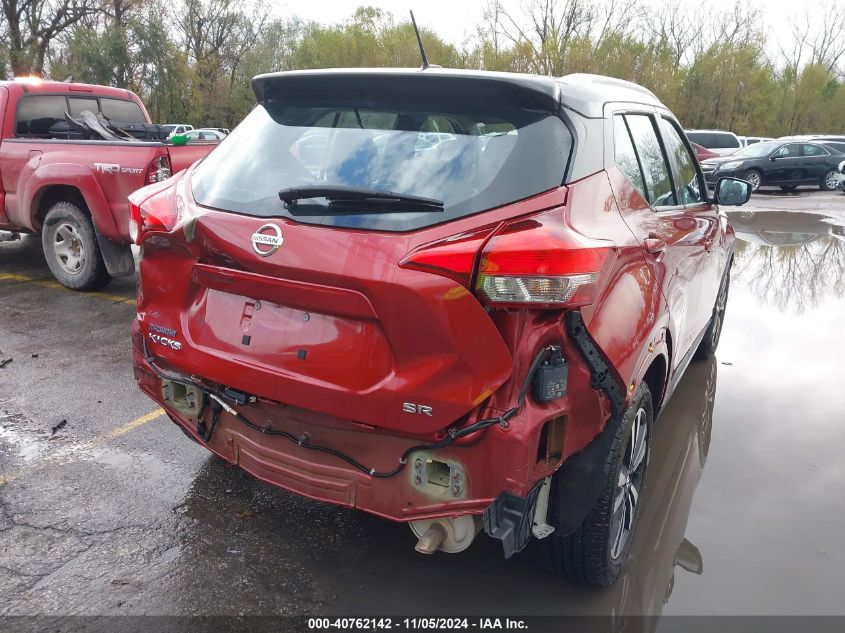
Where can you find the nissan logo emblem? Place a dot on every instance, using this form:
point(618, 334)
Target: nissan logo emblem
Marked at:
point(267, 240)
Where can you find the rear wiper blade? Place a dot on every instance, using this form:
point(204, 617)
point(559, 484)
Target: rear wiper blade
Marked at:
point(341, 193)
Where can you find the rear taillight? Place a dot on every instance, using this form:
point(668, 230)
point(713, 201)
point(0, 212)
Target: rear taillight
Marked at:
point(453, 257)
point(536, 261)
point(158, 170)
point(540, 262)
point(157, 213)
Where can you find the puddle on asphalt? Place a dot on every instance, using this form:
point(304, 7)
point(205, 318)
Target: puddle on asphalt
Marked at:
point(790, 260)
point(21, 444)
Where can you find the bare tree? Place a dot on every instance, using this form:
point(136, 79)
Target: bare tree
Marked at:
point(31, 26)
point(548, 27)
point(676, 27)
point(823, 36)
point(615, 17)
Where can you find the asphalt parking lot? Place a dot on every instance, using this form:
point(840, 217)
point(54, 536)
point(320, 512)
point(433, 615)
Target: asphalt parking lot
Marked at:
point(106, 508)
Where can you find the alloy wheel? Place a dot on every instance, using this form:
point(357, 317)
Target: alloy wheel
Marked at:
point(831, 180)
point(753, 179)
point(629, 485)
point(68, 248)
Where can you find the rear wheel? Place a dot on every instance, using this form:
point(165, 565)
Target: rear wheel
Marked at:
point(710, 342)
point(753, 178)
point(595, 553)
point(829, 181)
point(71, 249)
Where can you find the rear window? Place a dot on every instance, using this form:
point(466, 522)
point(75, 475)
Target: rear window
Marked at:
point(122, 111)
point(43, 116)
point(472, 156)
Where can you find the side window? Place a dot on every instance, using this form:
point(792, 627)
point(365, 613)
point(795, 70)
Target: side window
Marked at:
point(702, 138)
point(625, 156)
point(658, 181)
point(789, 151)
point(726, 141)
point(814, 150)
point(41, 116)
point(689, 184)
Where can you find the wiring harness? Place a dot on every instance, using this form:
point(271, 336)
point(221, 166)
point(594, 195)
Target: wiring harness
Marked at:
point(217, 403)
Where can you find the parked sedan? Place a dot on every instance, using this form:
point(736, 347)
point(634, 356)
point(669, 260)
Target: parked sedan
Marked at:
point(776, 163)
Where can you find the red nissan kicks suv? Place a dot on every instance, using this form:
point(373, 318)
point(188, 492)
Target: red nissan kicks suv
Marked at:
point(450, 298)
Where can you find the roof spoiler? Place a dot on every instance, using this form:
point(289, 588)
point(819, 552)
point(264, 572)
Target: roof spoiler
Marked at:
point(527, 91)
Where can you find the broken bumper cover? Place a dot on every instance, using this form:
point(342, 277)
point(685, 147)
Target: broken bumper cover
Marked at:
point(463, 478)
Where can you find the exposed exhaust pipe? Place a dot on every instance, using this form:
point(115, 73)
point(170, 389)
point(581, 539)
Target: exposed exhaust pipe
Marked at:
point(448, 534)
point(431, 539)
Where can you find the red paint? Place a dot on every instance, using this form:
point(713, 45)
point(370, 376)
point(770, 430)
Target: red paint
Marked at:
point(390, 318)
point(29, 167)
point(702, 153)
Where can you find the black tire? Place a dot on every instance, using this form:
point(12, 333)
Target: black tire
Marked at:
point(788, 188)
point(71, 249)
point(753, 177)
point(828, 182)
point(591, 555)
point(707, 347)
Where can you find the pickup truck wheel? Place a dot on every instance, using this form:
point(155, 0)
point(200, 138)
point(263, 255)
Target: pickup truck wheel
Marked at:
point(710, 341)
point(596, 551)
point(71, 249)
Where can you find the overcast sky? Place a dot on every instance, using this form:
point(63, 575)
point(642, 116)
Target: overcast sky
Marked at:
point(455, 20)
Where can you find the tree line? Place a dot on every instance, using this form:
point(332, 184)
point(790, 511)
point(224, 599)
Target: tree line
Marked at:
point(192, 60)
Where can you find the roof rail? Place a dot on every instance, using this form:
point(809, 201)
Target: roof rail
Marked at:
point(587, 78)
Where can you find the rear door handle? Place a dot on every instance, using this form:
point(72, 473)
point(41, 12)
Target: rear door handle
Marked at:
point(654, 244)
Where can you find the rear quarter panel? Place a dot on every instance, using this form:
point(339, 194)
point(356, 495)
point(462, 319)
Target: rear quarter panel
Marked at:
point(105, 174)
point(629, 319)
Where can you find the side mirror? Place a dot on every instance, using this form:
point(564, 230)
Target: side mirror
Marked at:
point(688, 557)
point(732, 192)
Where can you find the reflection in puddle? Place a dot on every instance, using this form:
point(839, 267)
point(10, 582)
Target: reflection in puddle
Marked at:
point(679, 453)
point(792, 260)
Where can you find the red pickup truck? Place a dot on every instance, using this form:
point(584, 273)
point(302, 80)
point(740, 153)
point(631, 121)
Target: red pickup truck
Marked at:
point(70, 154)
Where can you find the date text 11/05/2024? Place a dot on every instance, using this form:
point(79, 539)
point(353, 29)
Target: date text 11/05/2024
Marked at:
point(412, 624)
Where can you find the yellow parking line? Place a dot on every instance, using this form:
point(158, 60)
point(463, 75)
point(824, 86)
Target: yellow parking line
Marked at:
point(55, 285)
point(134, 424)
point(91, 444)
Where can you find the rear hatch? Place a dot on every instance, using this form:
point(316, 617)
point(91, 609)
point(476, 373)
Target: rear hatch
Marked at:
point(312, 302)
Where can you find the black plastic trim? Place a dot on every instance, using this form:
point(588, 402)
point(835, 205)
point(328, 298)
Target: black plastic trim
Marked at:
point(603, 378)
point(510, 518)
point(579, 482)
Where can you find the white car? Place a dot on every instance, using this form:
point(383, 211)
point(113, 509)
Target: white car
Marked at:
point(204, 134)
point(719, 141)
point(750, 140)
point(177, 128)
